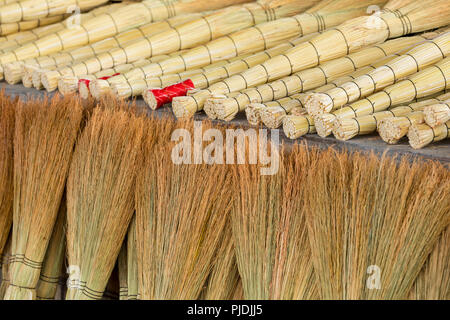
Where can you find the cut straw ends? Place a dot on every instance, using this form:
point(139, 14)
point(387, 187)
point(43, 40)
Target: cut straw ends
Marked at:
point(13, 72)
point(184, 107)
point(99, 88)
point(150, 99)
point(345, 129)
point(420, 135)
point(50, 80)
point(252, 113)
point(68, 84)
point(437, 114)
point(318, 103)
point(391, 130)
point(296, 126)
point(324, 124)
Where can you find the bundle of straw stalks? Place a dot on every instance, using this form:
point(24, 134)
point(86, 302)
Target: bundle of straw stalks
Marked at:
point(7, 120)
point(68, 57)
point(420, 134)
point(437, 114)
point(393, 129)
point(179, 229)
point(413, 61)
point(212, 26)
point(224, 278)
point(433, 282)
point(346, 38)
point(226, 109)
point(14, 27)
point(122, 265)
point(132, 263)
point(44, 138)
point(346, 129)
point(53, 266)
point(5, 261)
point(269, 34)
point(34, 9)
point(107, 25)
point(424, 83)
point(270, 232)
point(373, 231)
point(100, 191)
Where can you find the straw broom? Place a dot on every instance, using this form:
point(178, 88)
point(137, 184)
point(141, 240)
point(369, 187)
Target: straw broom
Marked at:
point(132, 263)
point(75, 55)
point(224, 278)
point(7, 107)
point(45, 134)
point(421, 135)
point(122, 263)
point(182, 227)
point(53, 266)
point(342, 40)
point(98, 215)
point(107, 25)
point(214, 25)
point(5, 261)
point(424, 83)
point(98, 87)
point(433, 282)
point(226, 109)
point(273, 112)
point(10, 28)
point(413, 61)
point(378, 214)
point(269, 231)
point(437, 114)
point(35, 9)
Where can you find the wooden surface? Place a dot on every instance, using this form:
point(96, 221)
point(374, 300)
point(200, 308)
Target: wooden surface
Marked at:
point(371, 143)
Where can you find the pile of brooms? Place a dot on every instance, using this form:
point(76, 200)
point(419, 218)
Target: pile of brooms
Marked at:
point(291, 64)
point(92, 186)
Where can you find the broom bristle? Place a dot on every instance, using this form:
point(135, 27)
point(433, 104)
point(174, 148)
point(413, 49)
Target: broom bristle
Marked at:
point(45, 135)
point(377, 222)
point(179, 226)
point(6, 167)
point(100, 192)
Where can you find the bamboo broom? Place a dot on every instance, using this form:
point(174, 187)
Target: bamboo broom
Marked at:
point(269, 231)
point(16, 40)
point(413, 61)
point(391, 130)
point(378, 220)
point(178, 229)
point(202, 79)
point(64, 59)
point(10, 28)
point(424, 83)
point(338, 66)
point(53, 265)
point(433, 282)
point(122, 263)
point(346, 129)
point(132, 263)
point(98, 214)
point(342, 40)
point(107, 25)
point(269, 34)
point(44, 139)
point(101, 87)
point(35, 9)
point(226, 109)
point(5, 261)
point(214, 25)
point(420, 134)
point(7, 119)
point(437, 114)
point(224, 278)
